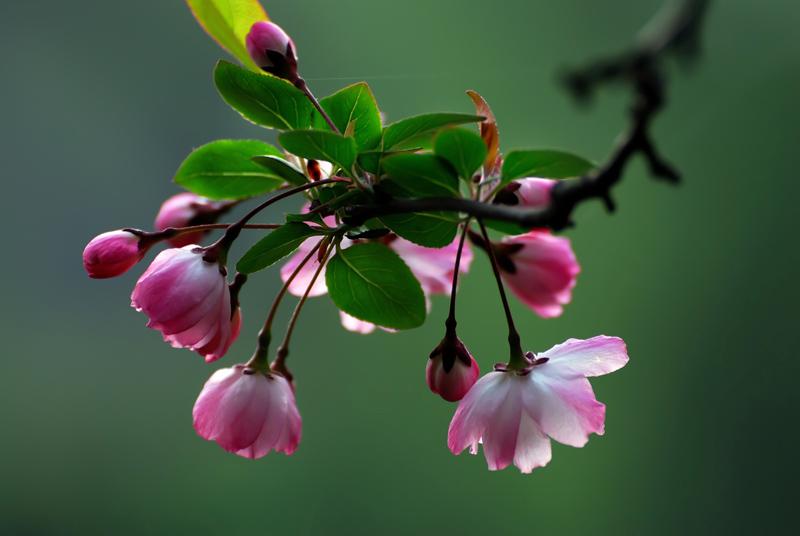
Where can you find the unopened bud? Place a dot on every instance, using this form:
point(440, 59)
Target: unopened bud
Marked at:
point(111, 254)
point(272, 50)
point(451, 370)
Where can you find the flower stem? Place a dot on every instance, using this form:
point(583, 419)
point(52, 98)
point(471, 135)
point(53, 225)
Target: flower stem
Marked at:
point(218, 250)
point(279, 365)
point(302, 86)
point(450, 323)
point(517, 359)
point(259, 359)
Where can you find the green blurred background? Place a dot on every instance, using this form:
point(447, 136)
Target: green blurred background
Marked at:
point(100, 102)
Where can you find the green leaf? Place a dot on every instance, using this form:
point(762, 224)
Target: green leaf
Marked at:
point(371, 282)
point(228, 22)
point(281, 168)
point(224, 169)
point(547, 164)
point(321, 145)
point(406, 130)
point(354, 105)
point(421, 175)
point(261, 98)
point(464, 149)
point(275, 246)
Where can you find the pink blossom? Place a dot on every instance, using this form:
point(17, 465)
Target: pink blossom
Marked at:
point(186, 209)
point(534, 192)
point(541, 269)
point(451, 370)
point(433, 267)
point(111, 254)
point(248, 413)
point(515, 413)
point(270, 47)
point(187, 299)
point(351, 323)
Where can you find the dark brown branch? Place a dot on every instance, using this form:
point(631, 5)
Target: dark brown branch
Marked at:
point(675, 29)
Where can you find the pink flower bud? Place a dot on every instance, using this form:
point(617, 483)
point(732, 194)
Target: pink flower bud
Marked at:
point(111, 254)
point(248, 413)
point(451, 370)
point(541, 269)
point(531, 192)
point(188, 300)
point(187, 209)
point(272, 49)
point(514, 413)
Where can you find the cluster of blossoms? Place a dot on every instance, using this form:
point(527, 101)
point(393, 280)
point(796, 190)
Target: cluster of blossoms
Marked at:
point(250, 409)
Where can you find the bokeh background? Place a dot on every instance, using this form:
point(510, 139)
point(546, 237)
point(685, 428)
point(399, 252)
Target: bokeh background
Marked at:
point(100, 101)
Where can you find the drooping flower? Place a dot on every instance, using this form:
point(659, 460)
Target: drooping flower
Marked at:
point(186, 209)
point(514, 413)
point(272, 49)
point(187, 299)
point(113, 253)
point(451, 370)
point(541, 270)
point(248, 412)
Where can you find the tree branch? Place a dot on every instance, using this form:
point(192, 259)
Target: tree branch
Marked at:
point(675, 29)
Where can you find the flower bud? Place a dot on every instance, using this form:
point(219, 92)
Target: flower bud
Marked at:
point(248, 412)
point(187, 209)
point(272, 50)
point(531, 192)
point(451, 369)
point(111, 254)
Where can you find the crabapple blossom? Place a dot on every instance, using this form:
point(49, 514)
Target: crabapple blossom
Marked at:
point(187, 299)
point(248, 412)
point(541, 270)
point(186, 209)
point(272, 49)
point(451, 370)
point(514, 413)
point(113, 253)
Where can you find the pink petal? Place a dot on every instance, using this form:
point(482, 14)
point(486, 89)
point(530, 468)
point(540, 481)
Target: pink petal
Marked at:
point(591, 357)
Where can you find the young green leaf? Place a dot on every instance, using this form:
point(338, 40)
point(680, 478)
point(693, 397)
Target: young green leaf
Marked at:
point(405, 130)
point(261, 98)
point(354, 105)
point(228, 22)
point(371, 282)
point(281, 168)
point(275, 246)
point(547, 164)
point(421, 175)
point(464, 149)
point(321, 145)
point(224, 169)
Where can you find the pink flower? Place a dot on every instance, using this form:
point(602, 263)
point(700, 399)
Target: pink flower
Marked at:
point(187, 209)
point(541, 269)
point(248, 413)
point(513, 412)
point(187, 299)
point(433, 267)
point(111, 254)
point(534, 192)
point(272, 49)
point(451, 370)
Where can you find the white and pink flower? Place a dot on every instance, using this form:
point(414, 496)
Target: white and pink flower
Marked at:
point(248, 413)
point(540, 269)
point(515, 413)
point(187, 299)
point(186, 209)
